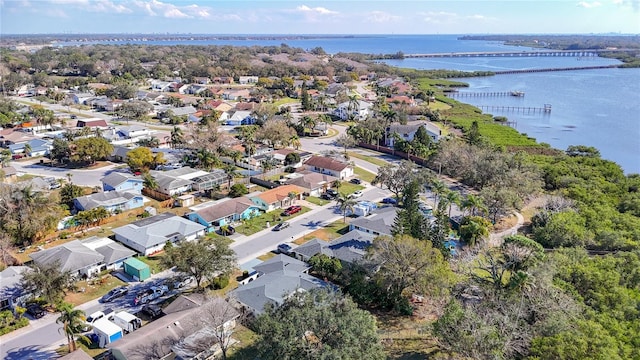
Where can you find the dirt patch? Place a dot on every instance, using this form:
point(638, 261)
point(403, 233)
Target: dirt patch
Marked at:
point(505, 223)
point(406, 337)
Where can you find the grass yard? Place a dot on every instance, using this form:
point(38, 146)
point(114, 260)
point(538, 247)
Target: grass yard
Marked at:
point(348, 188)
point(364, 174)
point(285, 101)
point(259, 223)
point(327, 233)
point(91, 349)
point(372, 159)
point(317, 201)
point(93, 288)
point(406, 337)
point(153, 261)
point(266, 256)
point(244, 349)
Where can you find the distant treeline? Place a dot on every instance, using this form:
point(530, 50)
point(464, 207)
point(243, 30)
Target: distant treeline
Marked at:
point(564, 42)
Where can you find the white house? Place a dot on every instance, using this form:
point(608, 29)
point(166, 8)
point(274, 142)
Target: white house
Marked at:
point(408, 132)
point(327, 165)
point(360, 111)
point(148, 236)
point(248, 80)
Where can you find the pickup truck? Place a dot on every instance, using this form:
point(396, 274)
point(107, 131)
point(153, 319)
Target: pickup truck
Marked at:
point(153, 293)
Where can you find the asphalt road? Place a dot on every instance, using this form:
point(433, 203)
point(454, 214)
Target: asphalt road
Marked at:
point(39, 341)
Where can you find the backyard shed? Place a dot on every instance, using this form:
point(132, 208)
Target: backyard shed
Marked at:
point(137, 269)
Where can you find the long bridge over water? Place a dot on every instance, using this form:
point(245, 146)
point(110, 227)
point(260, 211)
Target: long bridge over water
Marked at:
point(541, 53)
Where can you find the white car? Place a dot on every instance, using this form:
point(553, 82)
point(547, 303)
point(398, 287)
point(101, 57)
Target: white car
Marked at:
point(356, 194)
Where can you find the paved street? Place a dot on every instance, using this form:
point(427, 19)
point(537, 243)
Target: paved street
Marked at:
point(38, 340)
point(81, 177)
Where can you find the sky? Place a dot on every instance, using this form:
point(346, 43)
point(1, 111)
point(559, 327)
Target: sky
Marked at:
point(319, 17)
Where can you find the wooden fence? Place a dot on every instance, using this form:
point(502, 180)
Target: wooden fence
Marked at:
point(156, 195)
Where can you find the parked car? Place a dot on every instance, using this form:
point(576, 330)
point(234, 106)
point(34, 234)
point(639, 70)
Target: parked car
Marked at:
point(152, 310)
point(91, 319)
point(115, 293)
point(356, 194)
point(283, 225)
point(326, 197)
point(332, 192)
point(180, 283)
point(389, 200)
point(355, 181)
point(227, 230)
point(284, 248)
point(36, 311)
point(291, 210)
point(151, 294)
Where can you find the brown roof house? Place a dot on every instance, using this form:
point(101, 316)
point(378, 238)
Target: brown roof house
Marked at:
point(277, 198)
point(313, 183)
point(329, 166)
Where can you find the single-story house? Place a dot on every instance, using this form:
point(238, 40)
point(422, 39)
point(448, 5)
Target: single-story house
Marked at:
point(73, 256)
point(311, 182)
point(118, 181)
point(115, 254)
point(148, 236)
point(330, 166)
point(12, 136)
point(248, 80)
point(78, 354)
point(280, 276)
point(349, 248)
point(38, 147)
point(9, 173)
point(92, 123)
point(176, 181)
point(119, 153)
point(407, 132)
point(224, 212)
point(170, 336)
point(11, 292)
point(379, 222)
point(241, 118)
point(276, 198)
point(113, 201)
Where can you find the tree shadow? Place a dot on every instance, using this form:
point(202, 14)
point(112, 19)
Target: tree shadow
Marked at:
point(32, 352)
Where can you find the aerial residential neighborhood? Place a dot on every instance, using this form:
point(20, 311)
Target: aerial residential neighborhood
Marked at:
point(271, 202)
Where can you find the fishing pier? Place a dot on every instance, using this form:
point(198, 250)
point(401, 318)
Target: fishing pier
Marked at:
point(485, 94)
point(517, 109)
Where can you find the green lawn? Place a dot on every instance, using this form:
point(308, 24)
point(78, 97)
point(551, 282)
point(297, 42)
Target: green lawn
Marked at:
point(153, 261)
point(348, 188)
point(258, 223)
point(372, 159)
point(92, 288)
point(284, 101)
point(244, 349)
point(317, 200)
point(364, 174)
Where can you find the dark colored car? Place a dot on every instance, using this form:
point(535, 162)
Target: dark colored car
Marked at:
point(152, 310)
point(332, 192)
point(115, 293)
point(356, 181)
point(281, 226)
point(291, 210)
point(227, 230)
point(284, 248)
point(389, 201)
point(36, 311)
point(326, 197)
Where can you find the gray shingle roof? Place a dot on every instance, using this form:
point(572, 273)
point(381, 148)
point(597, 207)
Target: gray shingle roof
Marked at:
point(107, 198)
point(10, 280)
point(113, 252)
point(273, 288)
point(158, 229)
point(281, 262)
point(224, 209)
point(313, 247)
point(72, 256)
point(324, 162)
point(380, 221)
point(352, 246)
point(116, 178)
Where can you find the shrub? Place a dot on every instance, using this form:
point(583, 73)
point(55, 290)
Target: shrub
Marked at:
point(8, 322)
point(220, 282)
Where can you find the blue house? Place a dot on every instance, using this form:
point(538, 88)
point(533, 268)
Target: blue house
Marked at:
point(224, 213)
point(117, 181)
point(113, 201)
point(241, 118)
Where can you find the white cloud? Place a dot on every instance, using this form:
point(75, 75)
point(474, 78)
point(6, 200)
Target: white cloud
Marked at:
point(316, 10)
point(633, 4)
point(109, 6)
point(175, 14)
point(70, 2)
point(156, 8)
point(589, 5)
point(381, 17)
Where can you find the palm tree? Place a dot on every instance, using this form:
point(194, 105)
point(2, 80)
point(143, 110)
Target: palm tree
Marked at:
point(354, 104)
point(292, 197)
point(230, 171)
point(266, 165)
point(72, 321)
point(177, 137)
point(345, 203)
point(451, 197)
point(473, 204)
point(27, 149)
point(438, 187)
point(149, 181)
point(295, 142)
point(206, 158)
point(430, 93)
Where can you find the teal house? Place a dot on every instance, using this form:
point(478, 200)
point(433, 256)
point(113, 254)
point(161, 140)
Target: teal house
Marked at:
point(224, 212)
